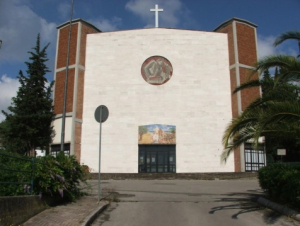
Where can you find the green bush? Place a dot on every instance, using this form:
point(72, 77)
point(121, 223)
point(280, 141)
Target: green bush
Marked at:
point(52, 176)
point(282, 183)
point(17, 175)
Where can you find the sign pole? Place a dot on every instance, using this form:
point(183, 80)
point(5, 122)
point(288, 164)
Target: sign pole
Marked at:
point(99, 176)
point(101, 114)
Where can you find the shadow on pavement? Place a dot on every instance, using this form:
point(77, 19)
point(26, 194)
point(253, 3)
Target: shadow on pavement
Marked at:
point(245, 203)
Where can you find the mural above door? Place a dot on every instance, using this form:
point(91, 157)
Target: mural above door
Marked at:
point(157, 134)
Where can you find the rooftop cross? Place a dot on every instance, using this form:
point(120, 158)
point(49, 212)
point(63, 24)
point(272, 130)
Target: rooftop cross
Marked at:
point(156, 10)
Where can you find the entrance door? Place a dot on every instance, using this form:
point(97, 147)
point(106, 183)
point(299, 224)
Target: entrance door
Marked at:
point(157, 159)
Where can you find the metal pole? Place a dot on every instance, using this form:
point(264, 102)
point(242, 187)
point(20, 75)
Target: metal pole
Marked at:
point(99, 189)
point(66, 84)
point(31, 176)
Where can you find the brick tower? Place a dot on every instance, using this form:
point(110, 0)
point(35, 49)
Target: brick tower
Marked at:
point(74, 103)
point(242, 44)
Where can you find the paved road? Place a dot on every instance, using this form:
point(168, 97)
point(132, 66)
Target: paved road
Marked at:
point(187, 202)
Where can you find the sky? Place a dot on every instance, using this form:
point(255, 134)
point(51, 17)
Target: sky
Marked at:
point(22, 20)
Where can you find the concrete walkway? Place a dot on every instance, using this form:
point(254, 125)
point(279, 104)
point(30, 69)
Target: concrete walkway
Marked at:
point(76, 213)
point(71, 214)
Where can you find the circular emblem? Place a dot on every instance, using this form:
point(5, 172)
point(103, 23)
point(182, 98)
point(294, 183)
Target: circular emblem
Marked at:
point(157, 70)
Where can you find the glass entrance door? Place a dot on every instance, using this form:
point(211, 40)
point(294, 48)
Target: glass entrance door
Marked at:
point(157, 158)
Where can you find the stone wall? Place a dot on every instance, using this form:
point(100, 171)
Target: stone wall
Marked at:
point(197, 99)
point(174, 176)
point(16, 210)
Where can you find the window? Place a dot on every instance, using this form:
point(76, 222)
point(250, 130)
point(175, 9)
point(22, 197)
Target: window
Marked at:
point(254, 159)
point(55, 149)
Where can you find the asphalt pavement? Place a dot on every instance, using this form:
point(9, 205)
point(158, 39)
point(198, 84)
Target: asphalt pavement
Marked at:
point(165, 202)
point(188, 202)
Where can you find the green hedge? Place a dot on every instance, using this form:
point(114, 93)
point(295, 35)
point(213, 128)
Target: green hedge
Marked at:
point(282, 183)
point(16, 176)
point(52, 176)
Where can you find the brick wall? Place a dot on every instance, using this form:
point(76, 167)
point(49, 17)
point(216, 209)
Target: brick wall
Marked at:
point(77, 145)
point(80, 29)
point(248, 95)
point(80, 90)
point(246, 44)
point(59, 91)
point(63, 46)
point(245, 36)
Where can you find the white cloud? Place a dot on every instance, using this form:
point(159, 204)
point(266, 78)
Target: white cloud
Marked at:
point(19, 27)
point(8, 89)
point(266, 48)
point(64, 10)
point(106, 25)
point(173, 9)
point(292, 51)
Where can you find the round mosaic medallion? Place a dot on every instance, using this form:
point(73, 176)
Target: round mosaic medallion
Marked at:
point(157, 70)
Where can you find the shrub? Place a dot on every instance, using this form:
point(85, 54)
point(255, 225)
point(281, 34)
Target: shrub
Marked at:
point(14, 170)
point(282, 183)
point(52, 176)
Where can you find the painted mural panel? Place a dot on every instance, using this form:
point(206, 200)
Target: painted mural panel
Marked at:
point(157, 134)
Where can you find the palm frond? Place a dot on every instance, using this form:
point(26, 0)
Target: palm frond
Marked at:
point(247, 85)
point(289, 63)
point(281, 111)
point(243, 136)
point(246, 120)
point(287, 35)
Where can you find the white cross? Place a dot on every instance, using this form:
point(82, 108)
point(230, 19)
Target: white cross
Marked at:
point(156, 10)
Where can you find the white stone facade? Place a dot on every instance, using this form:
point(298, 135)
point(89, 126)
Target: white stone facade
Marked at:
point(197, 99)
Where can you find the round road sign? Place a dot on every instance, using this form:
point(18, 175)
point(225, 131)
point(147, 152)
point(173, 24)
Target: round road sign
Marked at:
point(104, 113)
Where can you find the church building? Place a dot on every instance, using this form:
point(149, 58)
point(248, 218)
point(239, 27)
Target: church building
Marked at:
point(168, 93)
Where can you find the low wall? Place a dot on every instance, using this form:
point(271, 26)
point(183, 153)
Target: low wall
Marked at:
point(173, 176)
point(18, 209)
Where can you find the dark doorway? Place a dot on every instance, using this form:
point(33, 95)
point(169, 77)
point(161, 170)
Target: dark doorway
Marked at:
point(157, 159)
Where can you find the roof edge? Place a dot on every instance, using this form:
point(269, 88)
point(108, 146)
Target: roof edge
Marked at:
point(224, 24)
point(76, 21)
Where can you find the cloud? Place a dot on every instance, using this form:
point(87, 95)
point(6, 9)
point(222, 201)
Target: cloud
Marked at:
point(19, 27)
point(64, 9)
point(8, 89)
point(105, 24)
point(266, 48)
point(174, 9)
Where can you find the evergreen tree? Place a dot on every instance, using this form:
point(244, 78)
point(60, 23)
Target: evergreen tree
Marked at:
point(265, 77)
point(266, 74)
point(276, 74)
point(28, 125)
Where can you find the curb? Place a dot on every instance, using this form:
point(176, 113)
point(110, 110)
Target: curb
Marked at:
point(89, 219)
point(279, 208)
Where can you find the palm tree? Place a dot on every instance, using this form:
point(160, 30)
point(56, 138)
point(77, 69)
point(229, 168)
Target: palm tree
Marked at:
point(274, 119)
point(287, 36)
point(276, 114)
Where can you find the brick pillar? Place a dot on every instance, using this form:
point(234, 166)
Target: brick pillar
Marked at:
point(242, 45)
point(80, 29)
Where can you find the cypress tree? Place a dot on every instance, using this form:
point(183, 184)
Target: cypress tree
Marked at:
point(276, 74)
point(28, 124)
